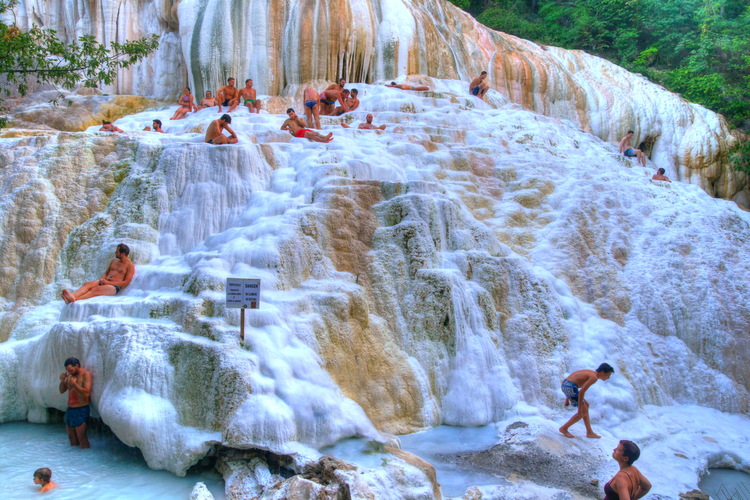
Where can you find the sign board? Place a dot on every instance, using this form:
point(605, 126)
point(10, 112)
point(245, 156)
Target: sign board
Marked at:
point(243, 293)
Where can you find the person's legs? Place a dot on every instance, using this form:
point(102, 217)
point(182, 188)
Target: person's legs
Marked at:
point(314, 136)
point(80, 433)
point(86, 288)
point(309, 115)
point(587, 421)
point(564, 429)
point(316, 115)
point(257, 106)
point(641, 157)
point(97, 291)
point(72, 436)
point(233, 105)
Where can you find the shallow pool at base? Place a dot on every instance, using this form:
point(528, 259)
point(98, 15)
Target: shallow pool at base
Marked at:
point(726, 484)
point(431, 445)
point(109, 470)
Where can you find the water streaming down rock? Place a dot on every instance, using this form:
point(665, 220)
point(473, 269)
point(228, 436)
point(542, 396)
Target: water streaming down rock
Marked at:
point(443, 271)
point(283, 43)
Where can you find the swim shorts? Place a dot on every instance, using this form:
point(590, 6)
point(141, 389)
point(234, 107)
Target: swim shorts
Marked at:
point(251, 101)
point(475, 90)
point(225, 103)
point(630, 152)
point(210, 142)
point(571, 392)
point(75, 417)
point(311, 104)
point(117, 289)
point(301, 132)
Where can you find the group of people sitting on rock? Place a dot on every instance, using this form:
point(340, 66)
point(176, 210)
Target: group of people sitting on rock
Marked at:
point(627, 149)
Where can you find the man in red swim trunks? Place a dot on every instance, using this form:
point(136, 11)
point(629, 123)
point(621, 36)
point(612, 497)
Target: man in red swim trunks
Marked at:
point(298, 128)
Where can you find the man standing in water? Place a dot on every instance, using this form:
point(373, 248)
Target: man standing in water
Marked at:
point(582, 379)
point(298, 128)
point(118, 275)
point(77, 382)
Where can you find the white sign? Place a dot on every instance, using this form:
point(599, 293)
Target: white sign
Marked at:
point(243, 293)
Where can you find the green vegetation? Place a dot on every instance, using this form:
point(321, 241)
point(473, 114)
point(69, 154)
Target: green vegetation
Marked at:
point(38, 56)
point(697, 48)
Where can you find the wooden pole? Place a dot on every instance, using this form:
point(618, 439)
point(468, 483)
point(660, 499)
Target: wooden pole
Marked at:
point(242, 326)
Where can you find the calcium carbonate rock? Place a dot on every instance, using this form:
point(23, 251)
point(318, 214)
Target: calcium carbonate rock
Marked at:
point(200, 492)
point(451, 269)
point(294, 43)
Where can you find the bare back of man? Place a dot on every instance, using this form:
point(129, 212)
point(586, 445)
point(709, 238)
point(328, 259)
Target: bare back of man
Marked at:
point(118, 275)
point(574, 387)
point(311, 101)
point(215, 131)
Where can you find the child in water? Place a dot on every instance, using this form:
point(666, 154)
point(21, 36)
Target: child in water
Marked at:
point(43, 477)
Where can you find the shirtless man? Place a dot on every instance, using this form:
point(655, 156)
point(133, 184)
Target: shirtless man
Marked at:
point(330, 95)
point(627, 149)
point(77, 382)
point(477, 87)
point(208, 101)
point(118, 275)
point(344, 101)
point(353, 101)
point(155, 127)
point(582, 379)
point(659, 176)
point(228, 96)
point(249, 97)
point(297, 127)
point(404, 86)
point(108, 127)
point(215, 131)
point(312, 106)
point(367, 125)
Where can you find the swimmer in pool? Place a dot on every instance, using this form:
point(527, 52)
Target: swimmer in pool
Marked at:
point(43, 477)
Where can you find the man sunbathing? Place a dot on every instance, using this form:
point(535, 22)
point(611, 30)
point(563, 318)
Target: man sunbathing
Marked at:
point(118, 275)
point(403, 86)
point(298, 128)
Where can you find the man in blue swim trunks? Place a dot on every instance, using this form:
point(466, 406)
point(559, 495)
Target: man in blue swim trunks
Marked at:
point(118, 275)
point(77, 382)
point(574, 387)
point(477, 87)
point(627, 149)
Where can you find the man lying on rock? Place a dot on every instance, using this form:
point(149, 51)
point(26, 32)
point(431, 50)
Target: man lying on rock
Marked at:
point(118, 275)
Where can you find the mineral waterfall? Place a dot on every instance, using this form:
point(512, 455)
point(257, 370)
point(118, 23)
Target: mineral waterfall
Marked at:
point(449, 270)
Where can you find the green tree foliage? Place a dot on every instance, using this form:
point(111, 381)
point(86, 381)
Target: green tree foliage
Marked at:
point(38, 56)
point(698, 48)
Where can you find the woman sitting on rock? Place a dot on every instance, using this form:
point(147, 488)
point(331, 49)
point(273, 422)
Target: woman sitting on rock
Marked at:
point(187, 104)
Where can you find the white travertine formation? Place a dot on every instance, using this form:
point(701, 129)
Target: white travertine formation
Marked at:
point(283, 42)
point(447, 270)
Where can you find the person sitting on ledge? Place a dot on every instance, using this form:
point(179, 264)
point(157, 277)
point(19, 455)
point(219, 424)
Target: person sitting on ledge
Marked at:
point(477, 87)
point(215, 131)
point(570, 387)
point(250, 97)
point(187, 104)
point(228, 96)
point(118, 275)
point(627, 149)
point(367, 125)
point(659, 176)
point(298, 128)
point(108, 127)
point(208, 101)
point(43, 477)
point(156, 127)
point(404, 86)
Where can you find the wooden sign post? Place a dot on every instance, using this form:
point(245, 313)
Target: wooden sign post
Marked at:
point(243, 294)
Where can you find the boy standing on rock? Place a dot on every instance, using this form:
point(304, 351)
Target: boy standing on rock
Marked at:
point(574, 387)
